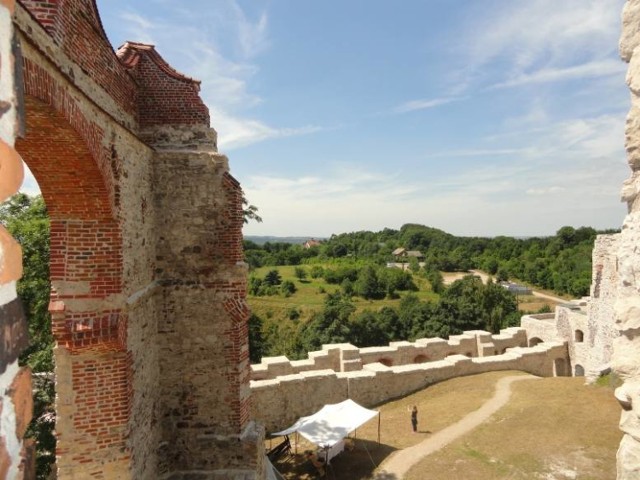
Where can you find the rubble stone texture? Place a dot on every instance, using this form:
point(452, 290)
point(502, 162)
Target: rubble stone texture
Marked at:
point(148, 303)
point(626, 351)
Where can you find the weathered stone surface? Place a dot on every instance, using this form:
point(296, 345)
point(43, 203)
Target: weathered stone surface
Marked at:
point(632, 137)
point(630, 37)
point(628, 459)
point(624, 361)
point(601, 330)
point(627, 313)
point(626, 354)
point(630, 188)
point(5, 460)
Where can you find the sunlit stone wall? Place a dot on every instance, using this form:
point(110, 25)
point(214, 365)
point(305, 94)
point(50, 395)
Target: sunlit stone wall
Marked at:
point(626, 351)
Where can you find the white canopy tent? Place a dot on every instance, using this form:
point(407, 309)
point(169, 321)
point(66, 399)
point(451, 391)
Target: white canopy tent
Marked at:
point(332, 423)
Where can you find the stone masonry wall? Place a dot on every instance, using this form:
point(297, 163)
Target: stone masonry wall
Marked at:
point(202, 331)
point(626, 349)
point(601, 329)
point(279, 402)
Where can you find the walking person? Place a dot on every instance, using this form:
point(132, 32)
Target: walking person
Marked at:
point(414, 418)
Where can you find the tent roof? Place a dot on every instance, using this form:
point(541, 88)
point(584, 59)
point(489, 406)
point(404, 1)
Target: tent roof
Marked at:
point(331, 423)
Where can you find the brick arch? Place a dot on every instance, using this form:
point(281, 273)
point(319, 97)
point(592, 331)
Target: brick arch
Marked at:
point(88, 319)
point(40, 85)
point(64, 165)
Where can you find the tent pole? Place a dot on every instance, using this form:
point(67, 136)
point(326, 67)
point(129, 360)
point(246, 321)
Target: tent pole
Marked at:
point(296, 451)
point(378, 428)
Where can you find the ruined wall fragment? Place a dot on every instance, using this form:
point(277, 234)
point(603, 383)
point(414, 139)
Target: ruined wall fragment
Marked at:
point(626, 351)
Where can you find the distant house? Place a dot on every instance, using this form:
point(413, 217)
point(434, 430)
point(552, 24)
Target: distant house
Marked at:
point(311, 243)
point(402, 253)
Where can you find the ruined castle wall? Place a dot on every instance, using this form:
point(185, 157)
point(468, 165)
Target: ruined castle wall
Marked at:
point(626, 349)
point(148, 304)
point(279, 402)
point(348, 358)
point(541, 327)
point(202, 330)
point(95, 176)
point(601, 331)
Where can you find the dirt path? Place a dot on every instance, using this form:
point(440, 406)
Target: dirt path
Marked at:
point(549, 297)
point(399, 463)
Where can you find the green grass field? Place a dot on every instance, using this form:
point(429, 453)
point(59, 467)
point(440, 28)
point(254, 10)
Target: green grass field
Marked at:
point(311, 293)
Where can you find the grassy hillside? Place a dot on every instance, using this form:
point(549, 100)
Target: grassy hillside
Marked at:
point(311, 293)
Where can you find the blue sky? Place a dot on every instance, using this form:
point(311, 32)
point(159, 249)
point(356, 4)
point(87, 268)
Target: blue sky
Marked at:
point(479, 117)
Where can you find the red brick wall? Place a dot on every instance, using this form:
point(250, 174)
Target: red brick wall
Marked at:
point(52, 109)
point(167, 98)
point(237, 333)
point(79, 183)
point(100, 386)
point(85, 239)
point(45, 11)
point(78, 31)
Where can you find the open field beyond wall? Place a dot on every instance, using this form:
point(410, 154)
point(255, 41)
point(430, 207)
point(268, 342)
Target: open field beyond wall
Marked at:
point(552, 428)
point(310, 295)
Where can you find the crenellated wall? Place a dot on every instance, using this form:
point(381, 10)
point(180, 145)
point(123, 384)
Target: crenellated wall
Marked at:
point(279, 401)
point(348, 358)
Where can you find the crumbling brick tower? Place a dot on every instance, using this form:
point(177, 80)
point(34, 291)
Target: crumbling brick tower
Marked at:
point(148, 302)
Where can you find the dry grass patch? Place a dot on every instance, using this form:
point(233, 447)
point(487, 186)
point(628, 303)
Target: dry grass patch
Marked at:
point(553, 428)
point(439, 406)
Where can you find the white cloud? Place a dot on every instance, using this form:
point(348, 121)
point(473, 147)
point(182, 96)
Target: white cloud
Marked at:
point(538, 41)
point(236, 132)
point(225, 75)
point(425, 104)
point(568, 172)
point(545, 191)
point(477, 152)
point(140, 27)
point(601, 68)
point(252, 36)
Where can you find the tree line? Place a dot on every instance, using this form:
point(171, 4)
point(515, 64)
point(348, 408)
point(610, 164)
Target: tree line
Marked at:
point(467, 304)
point(561, 262)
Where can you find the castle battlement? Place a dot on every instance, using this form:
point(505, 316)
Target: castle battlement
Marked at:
point(344, 357)
point(279, 401)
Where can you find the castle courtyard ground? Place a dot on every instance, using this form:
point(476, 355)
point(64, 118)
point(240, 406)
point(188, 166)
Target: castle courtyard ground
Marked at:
point(499, 425)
